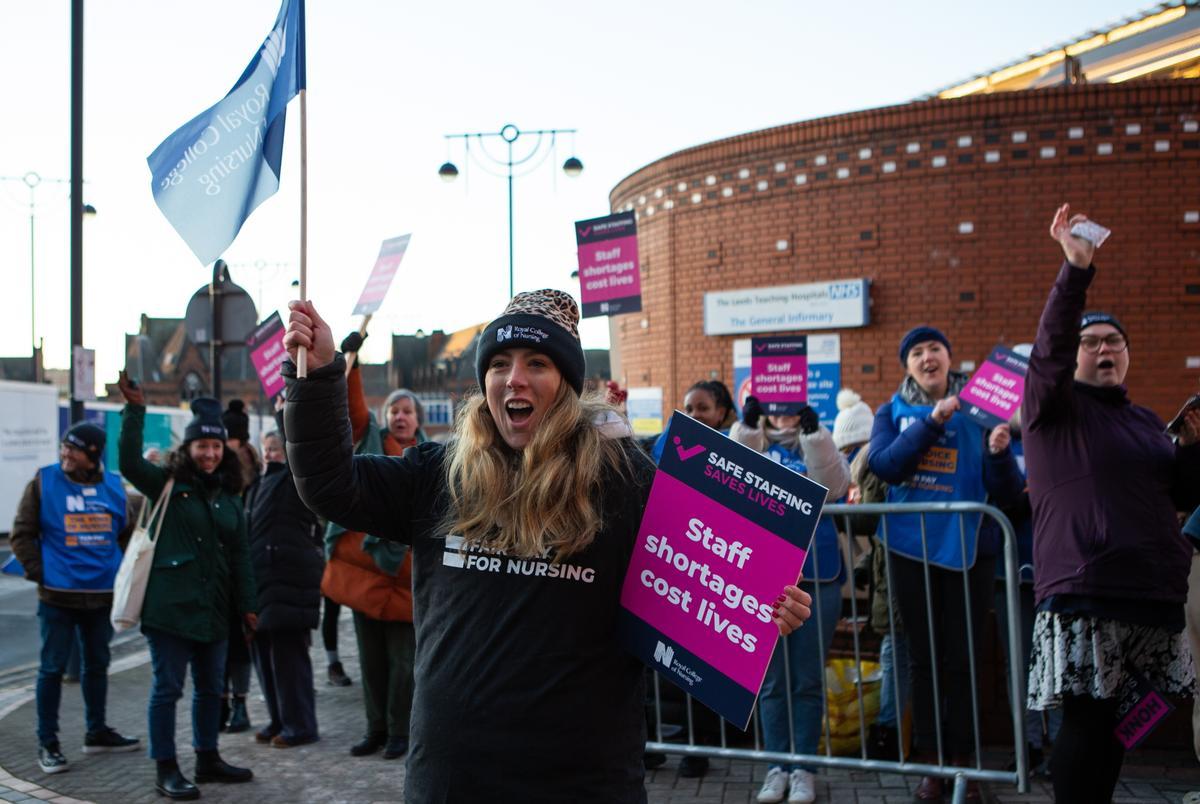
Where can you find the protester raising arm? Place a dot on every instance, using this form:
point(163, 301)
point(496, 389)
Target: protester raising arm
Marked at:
point(367, 493)
point(1051, 376)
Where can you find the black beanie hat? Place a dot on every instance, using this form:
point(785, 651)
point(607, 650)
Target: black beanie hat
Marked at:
point(546, 321)
point(236, 421)
point(87, 437)
point(206, 420)
point(1100, 317)
point(920, 335)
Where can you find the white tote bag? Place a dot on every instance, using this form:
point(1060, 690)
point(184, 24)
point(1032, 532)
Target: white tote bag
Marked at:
point(129, 589)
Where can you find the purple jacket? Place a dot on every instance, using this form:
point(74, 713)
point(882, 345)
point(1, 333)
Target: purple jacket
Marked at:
point(1104, 480)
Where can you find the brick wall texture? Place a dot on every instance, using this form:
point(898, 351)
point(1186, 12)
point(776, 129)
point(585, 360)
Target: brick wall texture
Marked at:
point(887, 194)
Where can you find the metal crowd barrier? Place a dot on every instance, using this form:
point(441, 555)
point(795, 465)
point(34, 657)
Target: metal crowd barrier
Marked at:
point(1016, 670)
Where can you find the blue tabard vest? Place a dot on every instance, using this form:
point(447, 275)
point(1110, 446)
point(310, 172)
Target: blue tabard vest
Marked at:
point(824, 561)
point(79, 527)
point(951, 470)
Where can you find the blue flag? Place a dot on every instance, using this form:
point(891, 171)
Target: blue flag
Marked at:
point(214, 171)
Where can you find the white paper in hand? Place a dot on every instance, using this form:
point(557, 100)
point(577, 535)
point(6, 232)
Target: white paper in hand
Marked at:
point(1092, 232)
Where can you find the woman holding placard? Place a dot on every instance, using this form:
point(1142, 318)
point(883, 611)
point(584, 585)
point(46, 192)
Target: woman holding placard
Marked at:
point(1110, 564)
point(801, 444)
point(523, 692)
point(927, 451)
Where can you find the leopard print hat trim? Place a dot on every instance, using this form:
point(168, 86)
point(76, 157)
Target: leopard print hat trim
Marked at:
point(556, 305)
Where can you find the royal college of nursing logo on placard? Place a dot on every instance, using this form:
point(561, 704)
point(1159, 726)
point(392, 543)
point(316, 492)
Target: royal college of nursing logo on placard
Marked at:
point(664, 654)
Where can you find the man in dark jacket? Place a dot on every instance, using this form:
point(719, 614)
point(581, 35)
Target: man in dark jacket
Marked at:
point(72, 524)
point(285, 551)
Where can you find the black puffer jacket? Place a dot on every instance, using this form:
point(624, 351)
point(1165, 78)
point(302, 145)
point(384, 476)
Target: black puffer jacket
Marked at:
point(523, 690)
point(285, 550)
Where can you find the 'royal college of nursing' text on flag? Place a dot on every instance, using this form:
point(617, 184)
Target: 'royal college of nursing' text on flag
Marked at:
point(218, 167)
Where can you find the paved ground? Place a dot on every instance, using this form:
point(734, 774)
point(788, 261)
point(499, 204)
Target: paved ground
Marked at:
point(324, 772)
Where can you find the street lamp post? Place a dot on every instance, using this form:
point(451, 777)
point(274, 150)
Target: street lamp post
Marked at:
point(510, 134)
point(33, 180)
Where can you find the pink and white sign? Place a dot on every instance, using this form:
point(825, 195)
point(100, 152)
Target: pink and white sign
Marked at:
point(267, 354)
point(1143, 708)
point(994, 393)
point(390, 255)
point(610, 281)
point(724, 531)
point(779, 374)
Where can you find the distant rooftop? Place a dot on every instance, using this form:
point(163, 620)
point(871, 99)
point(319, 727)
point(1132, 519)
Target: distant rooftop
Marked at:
point(1160, 43)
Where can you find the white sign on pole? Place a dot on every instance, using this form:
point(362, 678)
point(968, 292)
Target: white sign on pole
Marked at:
point(84, 363)
point(643, 406)
point(819, 305)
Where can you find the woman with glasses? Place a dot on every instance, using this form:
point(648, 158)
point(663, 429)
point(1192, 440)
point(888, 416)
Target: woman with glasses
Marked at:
point(1111, 565)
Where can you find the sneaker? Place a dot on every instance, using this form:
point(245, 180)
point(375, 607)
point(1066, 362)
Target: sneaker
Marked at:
point(109, 741)
point(801, 788)
point(774, 787)
point(51, 760)
point(337, 676)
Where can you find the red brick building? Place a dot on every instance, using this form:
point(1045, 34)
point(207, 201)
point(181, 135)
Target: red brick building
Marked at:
point(944, 206)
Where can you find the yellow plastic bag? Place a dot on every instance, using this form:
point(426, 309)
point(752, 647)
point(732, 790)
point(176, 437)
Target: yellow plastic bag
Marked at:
point(841, 703)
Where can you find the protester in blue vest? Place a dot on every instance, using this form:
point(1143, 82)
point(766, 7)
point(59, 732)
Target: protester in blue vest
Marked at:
point(708, 402)
point(929, 452)
point(1110, 564)
point(801, 444)
point(71, 526)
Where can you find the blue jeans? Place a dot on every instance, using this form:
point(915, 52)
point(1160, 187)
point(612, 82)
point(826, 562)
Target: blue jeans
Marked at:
point(62, 628)
point(806, 650)
point(893, 659)
point(169, 659)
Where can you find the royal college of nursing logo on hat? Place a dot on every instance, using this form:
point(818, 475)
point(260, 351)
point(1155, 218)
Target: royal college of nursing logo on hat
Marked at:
point(516, 331)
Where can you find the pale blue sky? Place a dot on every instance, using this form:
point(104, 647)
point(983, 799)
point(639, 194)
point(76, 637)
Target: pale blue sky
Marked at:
point(386, 80)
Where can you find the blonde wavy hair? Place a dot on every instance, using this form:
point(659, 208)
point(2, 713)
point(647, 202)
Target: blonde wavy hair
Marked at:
point(541, 498)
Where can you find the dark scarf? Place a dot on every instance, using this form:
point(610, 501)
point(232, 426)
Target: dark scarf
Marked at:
point(913, 394)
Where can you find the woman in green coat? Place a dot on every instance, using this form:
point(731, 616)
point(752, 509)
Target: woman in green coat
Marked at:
point(199, 578)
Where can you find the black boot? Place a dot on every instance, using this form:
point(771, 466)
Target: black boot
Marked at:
point(211, 768)
point(224, 713)
point(172, 783)
point(239, 718)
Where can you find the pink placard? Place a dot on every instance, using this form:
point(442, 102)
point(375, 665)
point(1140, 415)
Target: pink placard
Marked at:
point(779, 373)
point(610, 281)
point(267, 354)
point(995, 390)
point(390, 255)
point(671, 562)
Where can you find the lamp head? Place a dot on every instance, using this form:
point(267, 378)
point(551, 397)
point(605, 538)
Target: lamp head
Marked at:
point(572, 167)
point(448, 172)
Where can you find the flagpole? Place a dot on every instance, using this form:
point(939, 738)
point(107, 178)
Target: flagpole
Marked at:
point(302, 353)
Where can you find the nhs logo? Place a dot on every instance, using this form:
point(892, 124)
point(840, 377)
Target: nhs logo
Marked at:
point(664, 654)
point(845, 290)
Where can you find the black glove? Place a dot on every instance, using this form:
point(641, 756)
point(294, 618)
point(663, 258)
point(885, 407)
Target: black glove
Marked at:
point(751, 412)
point(352, 343)
point(810, 422)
